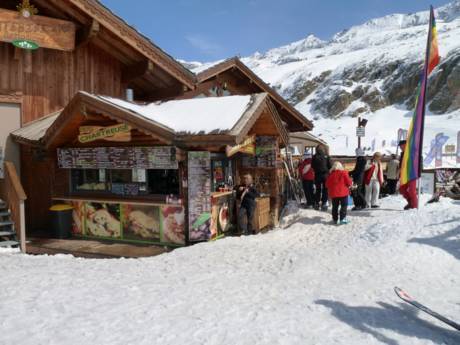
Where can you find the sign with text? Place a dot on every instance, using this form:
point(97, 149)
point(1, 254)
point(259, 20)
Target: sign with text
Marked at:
point(158, 157)
point(199, 196)
point(119, 132)
point(248, 146)
point(43, 31)
point(360, 132)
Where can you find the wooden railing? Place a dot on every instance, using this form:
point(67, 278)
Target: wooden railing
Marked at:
point(15, 196)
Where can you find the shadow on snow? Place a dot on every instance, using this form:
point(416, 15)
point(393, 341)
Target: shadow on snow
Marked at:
point(448, 241)
point(401, 319)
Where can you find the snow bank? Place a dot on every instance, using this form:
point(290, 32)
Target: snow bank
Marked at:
point(312, 283)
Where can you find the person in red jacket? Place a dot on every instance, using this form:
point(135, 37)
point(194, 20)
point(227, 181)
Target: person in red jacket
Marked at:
point(307, 175)
point(338, 184)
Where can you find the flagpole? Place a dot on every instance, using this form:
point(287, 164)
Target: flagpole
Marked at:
point(422, 129)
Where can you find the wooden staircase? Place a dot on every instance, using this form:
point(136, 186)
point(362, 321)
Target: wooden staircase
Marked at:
point(8, 236)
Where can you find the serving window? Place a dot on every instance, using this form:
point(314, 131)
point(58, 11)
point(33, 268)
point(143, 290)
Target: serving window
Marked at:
point(125, 182)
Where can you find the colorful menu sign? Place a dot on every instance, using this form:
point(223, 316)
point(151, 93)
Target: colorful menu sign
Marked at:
point(265, 155)
point(129, 222)
point(199, 196)
point(161, 157)
point(36, 31)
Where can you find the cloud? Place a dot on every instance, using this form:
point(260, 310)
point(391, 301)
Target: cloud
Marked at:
point(205, 45)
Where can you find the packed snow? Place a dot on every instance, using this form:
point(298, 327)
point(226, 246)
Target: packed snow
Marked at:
point(311, 283)
point(198, 115)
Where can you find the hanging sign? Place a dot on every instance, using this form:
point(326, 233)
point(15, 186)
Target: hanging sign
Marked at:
point(247, 146)
point(29, 31)
point(118, 132)
point(360, 132)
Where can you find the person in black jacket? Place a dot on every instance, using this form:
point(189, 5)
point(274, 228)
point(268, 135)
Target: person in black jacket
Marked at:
point(321, 164)
point(358, 181)
point(247, 194)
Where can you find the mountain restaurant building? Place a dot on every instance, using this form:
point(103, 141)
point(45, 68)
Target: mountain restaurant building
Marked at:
point(115, 162)
point(152, 173)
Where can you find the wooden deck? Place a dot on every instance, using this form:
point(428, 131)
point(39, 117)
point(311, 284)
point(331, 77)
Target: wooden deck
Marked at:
point(92, 249)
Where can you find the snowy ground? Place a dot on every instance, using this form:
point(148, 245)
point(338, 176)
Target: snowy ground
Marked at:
point(312, 283)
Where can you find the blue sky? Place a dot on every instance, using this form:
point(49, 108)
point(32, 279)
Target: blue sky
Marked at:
point(207, 30)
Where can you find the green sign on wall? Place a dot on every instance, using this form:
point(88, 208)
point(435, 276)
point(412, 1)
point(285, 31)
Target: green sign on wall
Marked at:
point(25, 44)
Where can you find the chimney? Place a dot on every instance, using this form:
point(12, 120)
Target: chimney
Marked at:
point(130, 95)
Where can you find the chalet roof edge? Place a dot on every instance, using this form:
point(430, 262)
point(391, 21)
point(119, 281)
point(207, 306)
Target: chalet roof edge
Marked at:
point(144, 45)
point(44, 131)
point(235, 61)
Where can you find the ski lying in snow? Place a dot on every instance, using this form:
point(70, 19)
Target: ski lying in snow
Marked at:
point(408, 299)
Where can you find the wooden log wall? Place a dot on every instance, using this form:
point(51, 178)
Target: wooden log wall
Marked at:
point(48, 79)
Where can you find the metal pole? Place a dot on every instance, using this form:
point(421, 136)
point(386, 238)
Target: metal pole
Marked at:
point(359, 137)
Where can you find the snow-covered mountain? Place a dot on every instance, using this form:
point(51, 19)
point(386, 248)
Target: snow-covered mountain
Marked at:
point(370, 70)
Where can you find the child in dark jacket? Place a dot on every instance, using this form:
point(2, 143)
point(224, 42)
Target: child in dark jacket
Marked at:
point(338, 184)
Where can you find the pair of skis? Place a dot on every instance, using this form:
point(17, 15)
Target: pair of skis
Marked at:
point(408, 299)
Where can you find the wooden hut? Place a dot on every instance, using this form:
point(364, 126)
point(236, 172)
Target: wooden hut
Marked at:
point(153, 173)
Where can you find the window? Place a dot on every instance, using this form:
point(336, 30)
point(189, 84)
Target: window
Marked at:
point(88, 180)
point(163, 181)
point(125, 182)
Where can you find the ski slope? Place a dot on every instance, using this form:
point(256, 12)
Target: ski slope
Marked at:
point(312, 283)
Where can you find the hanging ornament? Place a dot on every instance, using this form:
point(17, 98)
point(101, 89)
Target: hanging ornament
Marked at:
point(26, 9)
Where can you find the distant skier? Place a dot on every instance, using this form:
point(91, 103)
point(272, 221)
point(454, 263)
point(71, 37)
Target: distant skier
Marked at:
point(321, 164)
point(358, 181)
point(392, 174)
point(307, 176)
point(373, 180)
point(247, 194)
point(338, 184)
point(408, 190)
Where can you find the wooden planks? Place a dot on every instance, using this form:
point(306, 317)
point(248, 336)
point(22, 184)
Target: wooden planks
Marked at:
point(50, 79)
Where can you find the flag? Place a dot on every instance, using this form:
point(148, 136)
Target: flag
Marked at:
point(411, 165)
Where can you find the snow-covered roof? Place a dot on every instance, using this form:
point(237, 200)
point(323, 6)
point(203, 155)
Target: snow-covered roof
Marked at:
point(35, 130)
point(194, 116)
point(232, 116)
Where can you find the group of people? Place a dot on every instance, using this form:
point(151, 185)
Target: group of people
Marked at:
point(322, 181)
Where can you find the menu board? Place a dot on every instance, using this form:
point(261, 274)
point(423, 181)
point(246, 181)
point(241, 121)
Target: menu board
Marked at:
point(266, 148)
point(199, 196)
point(163, 157)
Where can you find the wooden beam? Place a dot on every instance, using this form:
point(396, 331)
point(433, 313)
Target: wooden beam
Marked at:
point(137, 70)
point(63, 6)
point(87, 33)
point(201, 88)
